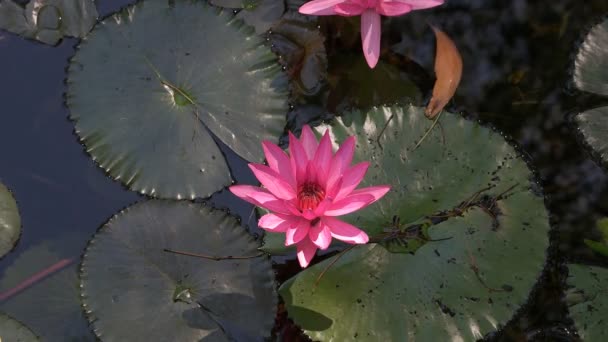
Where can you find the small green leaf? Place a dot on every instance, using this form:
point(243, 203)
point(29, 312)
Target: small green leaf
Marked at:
point(602, 226)
point(600, 247)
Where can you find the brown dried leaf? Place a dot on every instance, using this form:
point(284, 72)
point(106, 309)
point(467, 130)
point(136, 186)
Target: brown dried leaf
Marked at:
point(448, 71)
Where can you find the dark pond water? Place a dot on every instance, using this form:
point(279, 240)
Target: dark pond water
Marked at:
point(518, 60)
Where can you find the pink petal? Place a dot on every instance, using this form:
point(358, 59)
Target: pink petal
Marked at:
point(278, 161)
point(272, 181)
point(393, 8)
point(309, 141)
point(297, 233)
point(306, 251)
point(320, 235)
point(349, 204)
point(351, 179)
point(243, 191)
point(340, 161)
point(298, 158)
point(309, 214)
point(322, 159)
point(370, 35)
point(322, 207)
point(420, 4)
point(261, 198)
point(275, 223)
point(375, 191)
point(319, 7)
point(344, 231)
point(349, 10)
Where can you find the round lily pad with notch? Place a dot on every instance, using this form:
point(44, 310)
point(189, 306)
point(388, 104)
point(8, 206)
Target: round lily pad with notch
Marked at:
point(458, 242)
point(50, 305)
point(588, 301)
point(153, 103)
point(12, 330)
point(135, 290)
point(10, 221)
point(591, 75)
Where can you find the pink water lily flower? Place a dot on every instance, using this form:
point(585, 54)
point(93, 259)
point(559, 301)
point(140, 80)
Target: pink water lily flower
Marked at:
point(370, 11)
point(307, 189)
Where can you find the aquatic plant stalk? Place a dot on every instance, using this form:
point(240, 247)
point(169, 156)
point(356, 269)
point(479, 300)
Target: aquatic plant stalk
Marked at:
point(56, 267)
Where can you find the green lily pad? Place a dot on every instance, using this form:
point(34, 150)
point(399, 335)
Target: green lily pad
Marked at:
point(274, 244)
point(149, 101)
point(470, 270)
point(134, 290)
point(591, 75)
point(55, 294)
point(10, 221)
point(590, 305)
point(13, 331)
point(48, 21)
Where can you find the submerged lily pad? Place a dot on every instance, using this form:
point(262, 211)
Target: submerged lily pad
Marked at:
point(355, 85)
point(591, 75)
point(470, 270)
point(48, 21)
point(260, 14)
point(149, 101)
point(11, 330)
point(10, 221)
point(133, 290)
point(54, 294)
point(302, 48)
point(589, 301)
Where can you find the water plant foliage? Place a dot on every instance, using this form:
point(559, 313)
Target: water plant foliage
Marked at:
point(588, 304)
point(45, 277)
point(48, 21)
point(12, 330)
point(135, 290)
point(591, 75)
point(152, 111)
point(459, 241)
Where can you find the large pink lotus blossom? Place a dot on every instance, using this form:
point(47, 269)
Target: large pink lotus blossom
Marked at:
point(307, 189)
point(370, 11)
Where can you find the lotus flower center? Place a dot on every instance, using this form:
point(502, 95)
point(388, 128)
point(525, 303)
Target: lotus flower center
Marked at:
point(309, 196)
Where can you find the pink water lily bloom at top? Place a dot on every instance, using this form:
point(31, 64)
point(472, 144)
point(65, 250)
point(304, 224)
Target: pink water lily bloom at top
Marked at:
point(307, 189)
point(370, 11)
